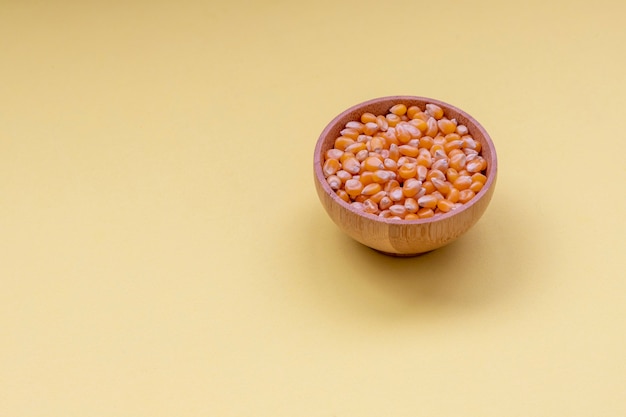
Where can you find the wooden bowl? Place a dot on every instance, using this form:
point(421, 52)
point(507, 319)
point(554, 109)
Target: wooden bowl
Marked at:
point(403, 237)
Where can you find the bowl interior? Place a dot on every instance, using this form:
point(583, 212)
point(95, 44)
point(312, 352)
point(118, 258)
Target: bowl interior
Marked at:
point(381, 106)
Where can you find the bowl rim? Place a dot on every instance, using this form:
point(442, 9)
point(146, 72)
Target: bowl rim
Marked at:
point(492, 168)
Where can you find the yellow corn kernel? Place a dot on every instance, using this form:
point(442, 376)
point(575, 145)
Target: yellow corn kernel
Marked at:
point(412, 111)
point(360, 198)
point(476, 186)
point(370, 128)
point(377, 144)
point(398, 110)
point(439, 140)
point(385, 214)
point(420, 124)
point(454, 152)
point(432, 129)
point(357, 206)
point(373, 163)
point(398, 210)
point(470, 153)
point(381, 176)
point(452, 136)
point(425, 213)
point(443, 187)
point(361, 155)
point(424, 159)
point(390, 136)
point(439, 154)
point(445, 205)
point(334, 182)
point(434, 110)
point(390, 185)
point(453, 195)
point(478, 177)
point(426, 142)
point(414, 131)
point(343, 175)
point(428, 201)
point(350, 133)
point(383, 125)
point(331, 166)
point(333, 154)
point(393, 119)
point(364, 138)
point(343, 195)
point(452, 174)
point(483, 163)
point(385, 203)
point(411, 216)
point(378, 196)
point(462, 130)
point(408, 150)
point(469, 142)
point(411, 205)
point(428, 186)
point(370, 207)
point(411, 187)
point(356, 147)
point(441, 165)
point(342, 142)
point(437, 195)
point(352, 165)
point(455, 144)
point(436, 148)
point(466, 195)
point(394, 153)
point(396, 194)
point(377, 155)
point(458, 161)
point(390, 164)
point(446, 126)
point(408, 170)
point(422, 116)
point(366, 177)
point(367, 118)
point(463, 182)
point(358, 126)
point(474, 166)
point(422, 172)
point(402, 133)
point(435, 173)
point(353, 187)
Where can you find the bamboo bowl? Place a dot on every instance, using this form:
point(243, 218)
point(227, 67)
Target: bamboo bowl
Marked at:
point(403, 237)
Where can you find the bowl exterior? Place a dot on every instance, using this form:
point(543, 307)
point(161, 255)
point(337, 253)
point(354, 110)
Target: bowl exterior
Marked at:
point(403, 238)
point(400, 237)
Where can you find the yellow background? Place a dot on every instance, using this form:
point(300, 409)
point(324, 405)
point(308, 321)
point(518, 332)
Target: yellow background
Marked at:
point(163, 251)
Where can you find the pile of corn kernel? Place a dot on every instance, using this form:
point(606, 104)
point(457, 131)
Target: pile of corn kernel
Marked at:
point(409, 164)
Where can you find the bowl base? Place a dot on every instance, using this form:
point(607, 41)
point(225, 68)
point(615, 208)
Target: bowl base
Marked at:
point(402, 255)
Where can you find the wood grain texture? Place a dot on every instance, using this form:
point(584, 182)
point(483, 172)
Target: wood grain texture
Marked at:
point(402, 237)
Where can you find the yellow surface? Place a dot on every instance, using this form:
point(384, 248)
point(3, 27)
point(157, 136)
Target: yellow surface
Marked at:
point(163, 251)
